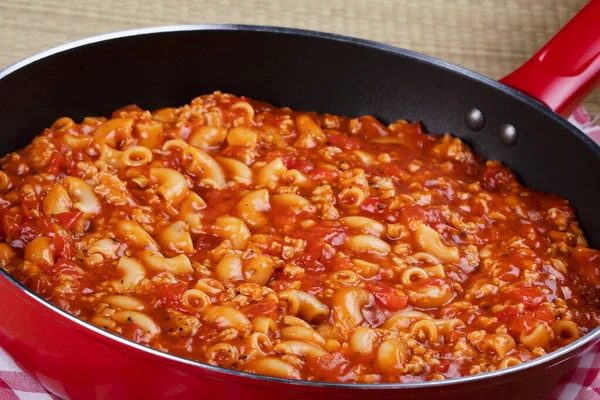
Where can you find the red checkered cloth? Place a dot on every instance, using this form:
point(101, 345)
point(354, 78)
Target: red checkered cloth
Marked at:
point(583, 383)
point(17, 385)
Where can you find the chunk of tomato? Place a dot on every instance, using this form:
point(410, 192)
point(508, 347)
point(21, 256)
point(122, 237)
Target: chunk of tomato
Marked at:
point(170, 293)
point(530, 297)
point(328, 366)
point(63, 248)
point(59, 160)
point(67, 219)
point(373, 205)
point(508, 314)
point(388, 298)
point(303, 166)
point(528, 321)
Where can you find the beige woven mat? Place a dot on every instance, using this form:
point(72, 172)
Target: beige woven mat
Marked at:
point(489, 36)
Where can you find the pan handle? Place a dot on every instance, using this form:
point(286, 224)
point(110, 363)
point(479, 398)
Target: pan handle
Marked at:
point(567, 68)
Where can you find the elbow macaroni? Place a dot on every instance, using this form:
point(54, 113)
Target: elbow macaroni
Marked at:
point(172, 186)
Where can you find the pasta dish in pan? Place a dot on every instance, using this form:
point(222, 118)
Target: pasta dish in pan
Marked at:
point(294, 244)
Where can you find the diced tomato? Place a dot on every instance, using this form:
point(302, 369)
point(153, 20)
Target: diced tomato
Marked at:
point(373, 205)
point(588, 266)
point(544, 313)
point(45, 225)
point(303, 166)
point(528, 321)
point(170, 293)
point(315, 249)
point(28, 233)
point(508, 314)
point(387, 297)
point(431, 215)
point(206, 241)
point(219, 203)
point(390, 299)
point(328, 366)
point(18, 233)
point(314, 254)
point(59, 160)
point(134, 332)
point(63, 248)
point(530, 297)
point(67, 219)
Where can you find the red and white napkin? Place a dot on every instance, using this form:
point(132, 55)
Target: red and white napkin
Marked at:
point(583, 383)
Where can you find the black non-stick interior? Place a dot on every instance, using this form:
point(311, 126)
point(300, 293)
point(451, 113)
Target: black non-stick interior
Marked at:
point(309, 71)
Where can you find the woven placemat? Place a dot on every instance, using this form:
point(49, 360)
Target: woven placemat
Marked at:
point(489, 36)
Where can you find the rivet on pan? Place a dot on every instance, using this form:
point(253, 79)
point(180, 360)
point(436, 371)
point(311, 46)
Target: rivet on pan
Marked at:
point(475, 119)
point(508, 134)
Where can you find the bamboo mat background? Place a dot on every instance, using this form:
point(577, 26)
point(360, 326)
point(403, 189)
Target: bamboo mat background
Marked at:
point(489, 36)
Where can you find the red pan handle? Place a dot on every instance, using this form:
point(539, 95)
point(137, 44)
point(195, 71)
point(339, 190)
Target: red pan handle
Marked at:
point(567, 68)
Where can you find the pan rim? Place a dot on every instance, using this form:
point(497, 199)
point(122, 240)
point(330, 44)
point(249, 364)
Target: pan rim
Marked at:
point(88, 328)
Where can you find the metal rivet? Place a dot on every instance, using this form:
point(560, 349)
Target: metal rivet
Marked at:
point(508, 134)
point(475, 119)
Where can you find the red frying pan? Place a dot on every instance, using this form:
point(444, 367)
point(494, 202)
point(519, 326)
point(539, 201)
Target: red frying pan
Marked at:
point(515, 120)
